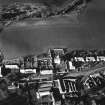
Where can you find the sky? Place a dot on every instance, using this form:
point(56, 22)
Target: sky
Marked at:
point(86, 31)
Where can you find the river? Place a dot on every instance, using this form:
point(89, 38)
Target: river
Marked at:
point(33, 37)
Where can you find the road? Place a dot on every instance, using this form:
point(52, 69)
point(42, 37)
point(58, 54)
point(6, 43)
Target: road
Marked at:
point(87, 72)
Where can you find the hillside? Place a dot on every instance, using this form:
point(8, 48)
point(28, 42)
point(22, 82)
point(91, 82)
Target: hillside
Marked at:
point(48, 2)
point(43, 9)
point(16, 10)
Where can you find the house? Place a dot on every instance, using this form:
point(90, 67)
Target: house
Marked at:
point(100, 58)
point(67, 85)
point(56, 52)
point(90, 59)
point(28, 71)
point(57, 60)
point(44, 62)
point(46, 72)
point(29, 62)
point(13, 68)
point(9, 68)
point(11, 61)
point(71, 66)
point(79, 59)
point(43, 93)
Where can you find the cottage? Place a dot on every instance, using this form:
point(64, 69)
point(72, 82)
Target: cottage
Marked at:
point(27, 71)
point(100, 58)
point(90, 59)
point(71, 66)
point(79, 59)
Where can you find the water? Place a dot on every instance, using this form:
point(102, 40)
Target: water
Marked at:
point(36, 36)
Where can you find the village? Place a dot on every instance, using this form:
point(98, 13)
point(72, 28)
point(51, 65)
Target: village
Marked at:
point(56, 77)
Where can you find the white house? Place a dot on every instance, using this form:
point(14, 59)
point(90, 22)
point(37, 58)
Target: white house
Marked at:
point(13, 68)
point(57, 60)
point(44, 91)
point(27, 71)
point(69, 84)
point(71, 67)
point(41, 94)
point(79, 59)
point(100, 58)
point(44, 72)
point(90, 59)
